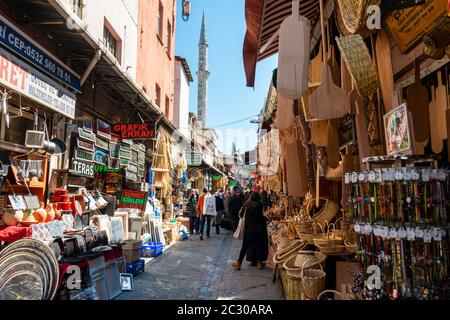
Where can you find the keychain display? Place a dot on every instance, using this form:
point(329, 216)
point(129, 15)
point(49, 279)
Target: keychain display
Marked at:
point(400, 216)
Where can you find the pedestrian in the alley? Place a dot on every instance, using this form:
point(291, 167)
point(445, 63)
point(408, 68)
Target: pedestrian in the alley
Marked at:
point(208, 212)
point(235, 206)
point(193, 215)
point(219, 209)
point(255, 232)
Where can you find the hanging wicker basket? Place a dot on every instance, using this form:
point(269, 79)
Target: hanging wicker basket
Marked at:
point(327, 212)
point(357, 58)
point(327, 238)
point(352, 16)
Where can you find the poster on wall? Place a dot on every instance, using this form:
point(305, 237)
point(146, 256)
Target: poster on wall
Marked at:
point(132, 199)
point(397, 131)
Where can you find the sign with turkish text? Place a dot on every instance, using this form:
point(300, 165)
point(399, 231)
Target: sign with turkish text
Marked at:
point(132, 199)
point(100, 143)
point(21, 77)
point(100, 157)
point(136, 131)
point(19, 43)
point(193, 159)
point(114, 150)
point(83, 155)
point(99, 168)
point(83, 168)
point(409, 25)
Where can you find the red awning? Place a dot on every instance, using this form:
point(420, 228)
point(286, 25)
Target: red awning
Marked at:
point(264, 18)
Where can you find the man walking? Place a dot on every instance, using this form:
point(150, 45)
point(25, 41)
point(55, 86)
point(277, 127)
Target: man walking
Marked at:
point(207, 208)
point(219, 209)
point(193, 216)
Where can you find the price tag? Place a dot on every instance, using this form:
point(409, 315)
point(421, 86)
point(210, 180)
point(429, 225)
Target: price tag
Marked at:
point(347, 178)
point(410, 234)
point(368, 229)
point(407, 176)
point(415, 175)
point(354, 177)
point(402, 233)
point(372, 176)
point(379, 176)
point(376, 231)
point(362, 177)
point(419, 233)
point(436, 234)
point(357, 228)
point(425, 175)
point(427, 236)
point(384, 232)
point(398, 175)
point(393, 233)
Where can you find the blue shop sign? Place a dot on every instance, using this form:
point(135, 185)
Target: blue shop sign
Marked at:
point(23, 46)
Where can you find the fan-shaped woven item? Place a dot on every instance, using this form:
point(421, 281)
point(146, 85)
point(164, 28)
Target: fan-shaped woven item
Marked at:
point(352, 16)
point(360, 64)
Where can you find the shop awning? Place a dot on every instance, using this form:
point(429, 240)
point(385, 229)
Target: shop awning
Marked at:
point(79, 47)
point(264, 18)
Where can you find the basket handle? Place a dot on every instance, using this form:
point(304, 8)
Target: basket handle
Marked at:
point(332, 291)
point(303, 267)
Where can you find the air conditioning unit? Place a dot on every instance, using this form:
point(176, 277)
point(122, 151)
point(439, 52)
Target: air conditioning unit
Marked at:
point(34, 139)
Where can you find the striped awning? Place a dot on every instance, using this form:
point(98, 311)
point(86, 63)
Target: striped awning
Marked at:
point(264, 18)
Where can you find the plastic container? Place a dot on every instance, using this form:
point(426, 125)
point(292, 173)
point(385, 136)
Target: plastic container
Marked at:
point(136, 267)
point(152, 249)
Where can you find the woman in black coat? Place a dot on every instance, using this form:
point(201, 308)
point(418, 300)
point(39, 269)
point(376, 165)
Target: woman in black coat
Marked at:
point(255, 232)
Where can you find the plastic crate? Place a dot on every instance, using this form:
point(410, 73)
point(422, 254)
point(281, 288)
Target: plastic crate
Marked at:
point(151, 249)
point(136, 267)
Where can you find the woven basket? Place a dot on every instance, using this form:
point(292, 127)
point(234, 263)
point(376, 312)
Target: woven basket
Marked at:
point(313, 281)
point(340, 294)
point(327, 238)
point(293, 288)
point(295, 263)
point(356, 55)
point(350, 242)
point(327, 213)
point(335, 174)
point(283, 243)
point(352, 16)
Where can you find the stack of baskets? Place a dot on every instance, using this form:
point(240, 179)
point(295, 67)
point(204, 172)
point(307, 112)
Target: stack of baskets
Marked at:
point(286, 252)
point(313, 282)
point(328, 242)
point(303, 260)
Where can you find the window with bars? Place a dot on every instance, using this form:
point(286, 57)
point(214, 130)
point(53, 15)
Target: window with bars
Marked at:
point(109, 41)
point(169, 37)
point(159, 30)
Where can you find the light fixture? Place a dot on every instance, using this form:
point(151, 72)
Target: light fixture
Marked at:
point(186, 9)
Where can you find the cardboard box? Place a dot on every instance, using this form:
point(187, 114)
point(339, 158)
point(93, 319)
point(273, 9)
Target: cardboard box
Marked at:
point(132, 250)
point(344, 277)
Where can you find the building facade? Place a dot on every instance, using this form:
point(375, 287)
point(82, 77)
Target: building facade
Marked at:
point(155, 52)
point(183, 78)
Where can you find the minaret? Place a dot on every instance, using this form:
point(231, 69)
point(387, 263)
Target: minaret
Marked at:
point(202, 75)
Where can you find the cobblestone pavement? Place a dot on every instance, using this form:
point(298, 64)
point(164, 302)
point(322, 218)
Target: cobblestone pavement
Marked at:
point(200, 270)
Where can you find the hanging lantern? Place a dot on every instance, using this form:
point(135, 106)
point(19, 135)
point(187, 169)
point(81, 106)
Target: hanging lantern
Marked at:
point(186, 9)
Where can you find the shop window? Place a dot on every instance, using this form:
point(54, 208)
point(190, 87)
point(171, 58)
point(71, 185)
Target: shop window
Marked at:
point(159, 27)
point(158, 95)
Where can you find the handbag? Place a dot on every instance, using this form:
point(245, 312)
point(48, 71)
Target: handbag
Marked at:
point(239, 234)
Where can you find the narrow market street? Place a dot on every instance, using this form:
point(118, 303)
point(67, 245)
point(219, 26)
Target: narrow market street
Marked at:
point(200, 270)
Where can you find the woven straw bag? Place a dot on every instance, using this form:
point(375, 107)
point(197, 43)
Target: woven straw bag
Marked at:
point(356, 55)
point(352, 16)
point(327, 213)
point(313, 281)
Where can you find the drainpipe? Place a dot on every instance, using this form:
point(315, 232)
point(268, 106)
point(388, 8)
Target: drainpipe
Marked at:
point(95, 59)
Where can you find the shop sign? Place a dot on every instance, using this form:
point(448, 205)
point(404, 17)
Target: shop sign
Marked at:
point(101, 144)
point(141, 158)
point(89, 146)
point(83, 168)
point(19, 43)
point(114, 150)
point(132, 167)
point(134, 156)
point(114, 163)
point(83, 155)
point(86, 135)
point(99, 168)
point(141, 147)
point(103, 129)
point(124, 162)
point(193, 159)
point(409, 25)
point(141, 167)
point(136, 131)
point(100, 157)
point(22, 78)
point(131, 175)
point(132, 199)
point(123, 154)
point(125, 148)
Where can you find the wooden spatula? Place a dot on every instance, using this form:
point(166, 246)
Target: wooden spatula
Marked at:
point(319, 132)
point(316, 66)
point(417, 97)
point(384, 64)
point(362, 134)
point(333, 145)
point(440, 122)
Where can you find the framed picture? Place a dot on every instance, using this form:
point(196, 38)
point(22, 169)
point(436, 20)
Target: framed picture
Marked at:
point(103, 129)
point(17, 202)
point(397, 131)
point(126, 281)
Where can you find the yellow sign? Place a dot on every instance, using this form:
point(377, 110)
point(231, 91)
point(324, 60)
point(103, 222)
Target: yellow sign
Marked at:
point(409, 25)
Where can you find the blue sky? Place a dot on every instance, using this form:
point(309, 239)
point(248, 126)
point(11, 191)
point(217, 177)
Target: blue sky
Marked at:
point(230, 100)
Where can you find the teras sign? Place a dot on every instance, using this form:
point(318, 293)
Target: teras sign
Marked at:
point(136, 130)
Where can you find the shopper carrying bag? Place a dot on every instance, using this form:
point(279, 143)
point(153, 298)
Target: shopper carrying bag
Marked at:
point(239, 234)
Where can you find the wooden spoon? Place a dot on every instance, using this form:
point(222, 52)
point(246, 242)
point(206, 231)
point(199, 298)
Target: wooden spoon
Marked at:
point(316, 66)
point(333, 145)
point(384, 64)
point(417, 97)
point(319, 132)
point(440, 104)
point(362, 134)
